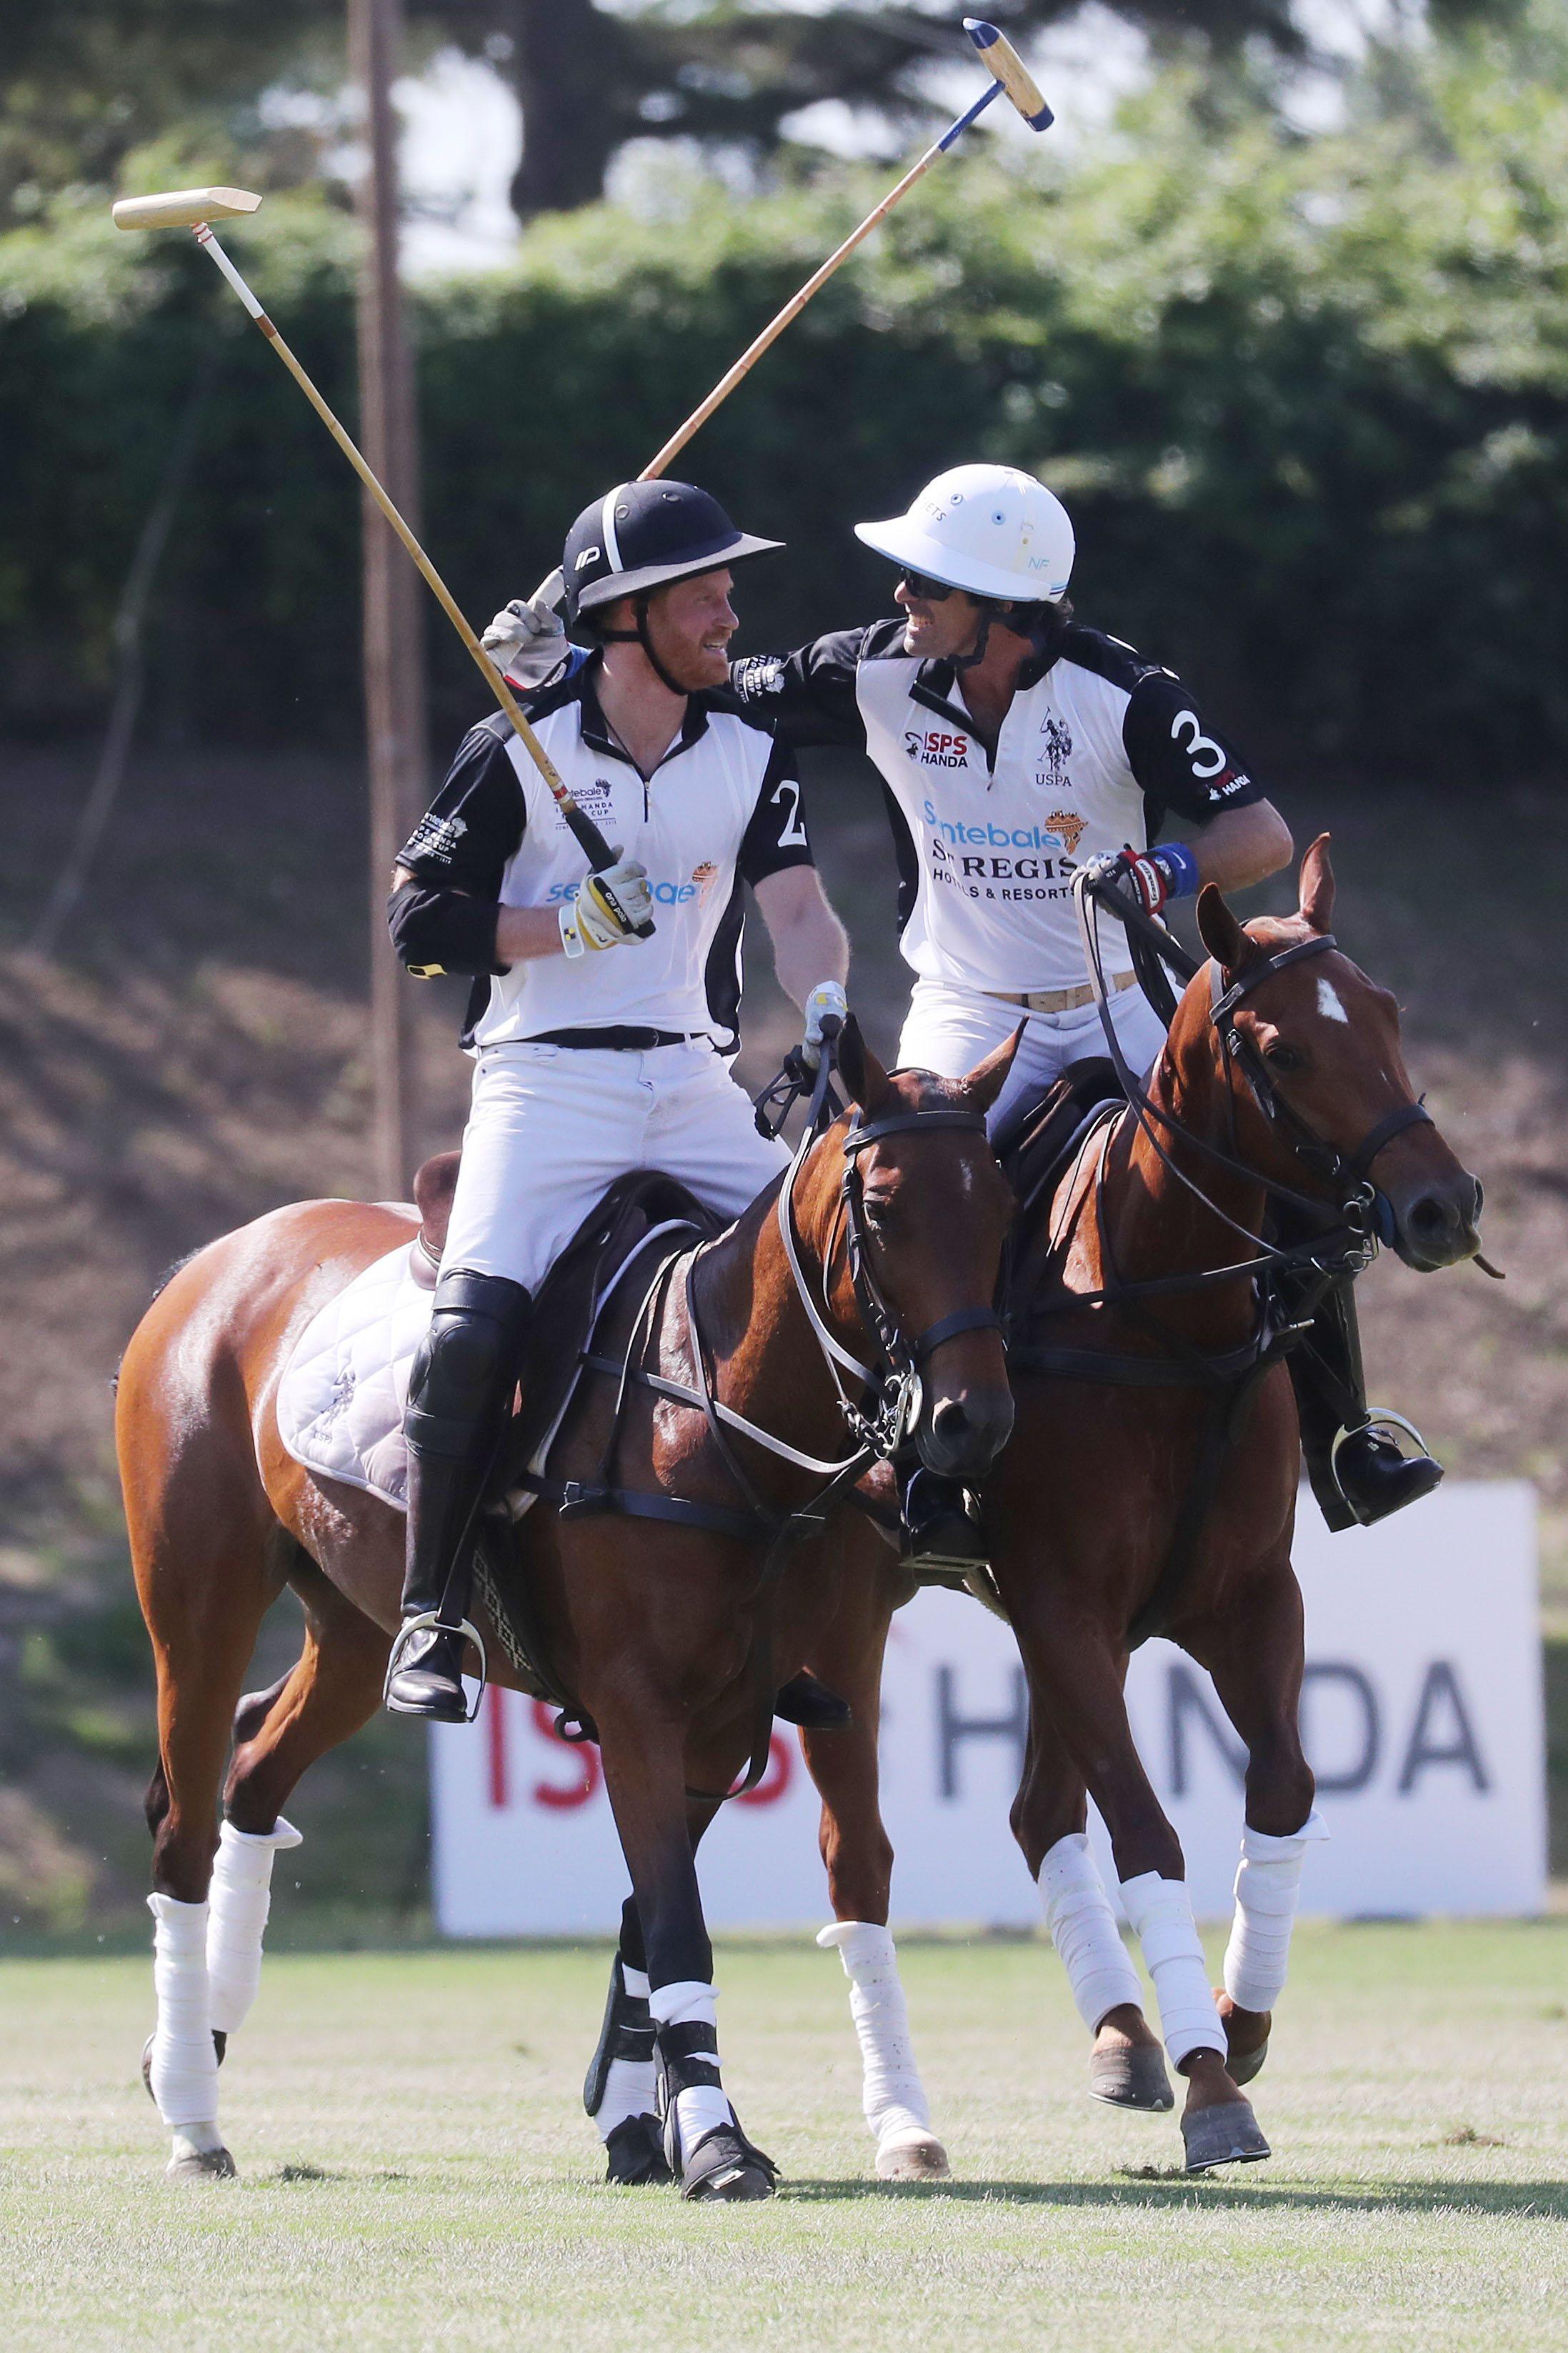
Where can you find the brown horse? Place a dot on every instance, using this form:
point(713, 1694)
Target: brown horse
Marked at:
point(664, 1634)
point(1151, 1486)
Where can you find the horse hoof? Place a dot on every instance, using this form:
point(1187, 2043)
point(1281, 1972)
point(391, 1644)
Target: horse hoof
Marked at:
point(201, 2165)
point(220, 2045)
point(1242, 2069)
point(912, 2157)
point(633, 2154)
point(1131, 2077)
point(1226, 2133)
point(725, 2166)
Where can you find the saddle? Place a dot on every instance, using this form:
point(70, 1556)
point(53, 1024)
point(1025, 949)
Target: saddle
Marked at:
point(1036, 1142)
point(569, 1296)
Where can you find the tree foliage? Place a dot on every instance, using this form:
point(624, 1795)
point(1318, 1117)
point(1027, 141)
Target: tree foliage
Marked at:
point(1308, 401)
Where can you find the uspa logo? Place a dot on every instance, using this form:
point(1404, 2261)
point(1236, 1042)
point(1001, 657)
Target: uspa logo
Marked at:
point(1055, 751)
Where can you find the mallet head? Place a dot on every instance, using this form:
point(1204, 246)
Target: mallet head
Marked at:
point(183, 208)
point(1003, 61)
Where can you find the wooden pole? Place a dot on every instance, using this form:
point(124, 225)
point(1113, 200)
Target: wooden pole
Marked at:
point(395, 696)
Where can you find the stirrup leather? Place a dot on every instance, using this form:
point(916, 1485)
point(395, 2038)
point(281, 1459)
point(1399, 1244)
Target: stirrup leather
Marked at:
point(431, 1620)
point(1379, 1418)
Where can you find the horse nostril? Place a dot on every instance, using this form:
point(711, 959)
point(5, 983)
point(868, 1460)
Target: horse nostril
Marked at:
point(951, 1422)
point(1429, 1216)
point(1479, 1202)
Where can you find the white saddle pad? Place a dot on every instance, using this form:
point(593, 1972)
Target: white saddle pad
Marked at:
point(341, 1401)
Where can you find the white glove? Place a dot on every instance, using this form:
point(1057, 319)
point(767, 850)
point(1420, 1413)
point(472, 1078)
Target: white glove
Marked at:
point(826, 998)
point(607, 907)
point(526, 642)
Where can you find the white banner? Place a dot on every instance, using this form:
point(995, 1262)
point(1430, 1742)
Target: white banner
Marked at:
point(1421, 1714)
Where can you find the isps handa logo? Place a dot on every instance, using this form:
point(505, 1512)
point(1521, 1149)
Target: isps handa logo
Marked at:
point(936, 747)
point(1067, 827)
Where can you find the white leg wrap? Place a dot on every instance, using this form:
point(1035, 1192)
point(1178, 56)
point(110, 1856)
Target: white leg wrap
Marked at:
point(894, 2097)
point(703, 2106)
point(184, 2064)
point(238, 1901)
point(1266, 1887)
point(629, 2083)
point(1084, 1932)
point(1160, 1911)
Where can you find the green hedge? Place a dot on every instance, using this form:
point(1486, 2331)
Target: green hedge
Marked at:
point(1305, 398)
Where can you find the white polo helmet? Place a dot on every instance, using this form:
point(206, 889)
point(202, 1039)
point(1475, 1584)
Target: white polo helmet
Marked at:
point(989, 528)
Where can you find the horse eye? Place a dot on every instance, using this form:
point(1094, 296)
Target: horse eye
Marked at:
point(1282, 1056)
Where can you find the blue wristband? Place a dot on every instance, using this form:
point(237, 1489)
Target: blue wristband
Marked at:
point(1179, 866)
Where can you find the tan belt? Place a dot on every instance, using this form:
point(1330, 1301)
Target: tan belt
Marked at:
point(1062, 1000)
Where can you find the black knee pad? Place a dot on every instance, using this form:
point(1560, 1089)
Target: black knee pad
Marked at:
point(468, 1360)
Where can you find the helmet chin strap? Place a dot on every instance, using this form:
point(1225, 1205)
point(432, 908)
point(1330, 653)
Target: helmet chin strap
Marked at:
point(976, 654)
point(642, 635)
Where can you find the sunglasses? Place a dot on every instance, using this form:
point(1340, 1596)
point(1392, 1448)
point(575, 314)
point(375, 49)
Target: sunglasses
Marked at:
point(930, 591)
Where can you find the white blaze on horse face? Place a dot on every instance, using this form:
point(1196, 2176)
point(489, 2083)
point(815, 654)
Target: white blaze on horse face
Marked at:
point(1328, 1004)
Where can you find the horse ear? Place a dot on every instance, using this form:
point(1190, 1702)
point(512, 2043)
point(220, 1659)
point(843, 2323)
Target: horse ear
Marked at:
point(1318, 886)
point(863, 1075)
point(1219, 930)
point(987, 1079)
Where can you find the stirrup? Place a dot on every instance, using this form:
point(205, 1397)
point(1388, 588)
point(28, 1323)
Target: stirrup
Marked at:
point(428, 1620)
point(1378, 1417)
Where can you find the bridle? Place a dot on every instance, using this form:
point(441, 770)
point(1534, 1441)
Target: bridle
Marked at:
point(1355, 1209)
point(1346, 1175)
point(893, 1382)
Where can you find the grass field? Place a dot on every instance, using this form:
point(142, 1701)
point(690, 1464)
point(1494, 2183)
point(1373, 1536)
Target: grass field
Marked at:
point(416, 2171)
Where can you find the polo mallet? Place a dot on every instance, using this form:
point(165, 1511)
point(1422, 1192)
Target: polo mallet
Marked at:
point(1010, 74)
point(195, 209)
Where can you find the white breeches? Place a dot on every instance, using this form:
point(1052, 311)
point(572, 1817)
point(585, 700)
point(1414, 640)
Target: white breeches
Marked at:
point(1160, 1911)
point(1267, 1885)
point(894, 2097)
point(552, 1127)
point(1083, 1929)
point(949, 1030)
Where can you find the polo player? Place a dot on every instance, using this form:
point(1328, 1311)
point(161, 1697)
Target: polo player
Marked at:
point(597, 1050)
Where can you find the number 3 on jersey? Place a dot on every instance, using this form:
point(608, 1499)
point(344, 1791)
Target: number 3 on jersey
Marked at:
point(1199, 744)
point(787, 796)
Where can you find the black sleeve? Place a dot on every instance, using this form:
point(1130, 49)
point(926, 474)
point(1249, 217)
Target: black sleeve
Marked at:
point(806, 697)
point(1181, 763)
point(445, 919)
point(776, 835)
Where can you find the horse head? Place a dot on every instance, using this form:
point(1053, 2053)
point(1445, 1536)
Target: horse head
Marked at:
point(908, 1182)
point(1309, 1049)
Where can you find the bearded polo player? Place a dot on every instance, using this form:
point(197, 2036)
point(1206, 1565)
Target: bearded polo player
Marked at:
point(597, 1050)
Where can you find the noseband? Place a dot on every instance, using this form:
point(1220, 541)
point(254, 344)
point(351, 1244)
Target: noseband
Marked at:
point(893, 1381)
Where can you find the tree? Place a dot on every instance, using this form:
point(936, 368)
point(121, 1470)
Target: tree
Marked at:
point(729, 74)
point(84, 82)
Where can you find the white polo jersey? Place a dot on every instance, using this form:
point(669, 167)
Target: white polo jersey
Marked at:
point(723, 807)
point(1096, 748)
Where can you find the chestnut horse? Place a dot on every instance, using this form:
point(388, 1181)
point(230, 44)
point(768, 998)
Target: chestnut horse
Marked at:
point(666, 1634)
point(1151, 1485)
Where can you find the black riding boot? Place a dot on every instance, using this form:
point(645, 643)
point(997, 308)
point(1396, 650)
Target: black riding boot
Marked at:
point(460, 1394)
point(1357, 1472)
point(941, 1531)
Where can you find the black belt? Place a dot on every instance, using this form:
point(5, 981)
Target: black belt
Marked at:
point(618, 1040)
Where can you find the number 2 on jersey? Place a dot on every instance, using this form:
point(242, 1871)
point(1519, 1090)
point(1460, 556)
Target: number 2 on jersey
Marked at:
point(791, 833)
